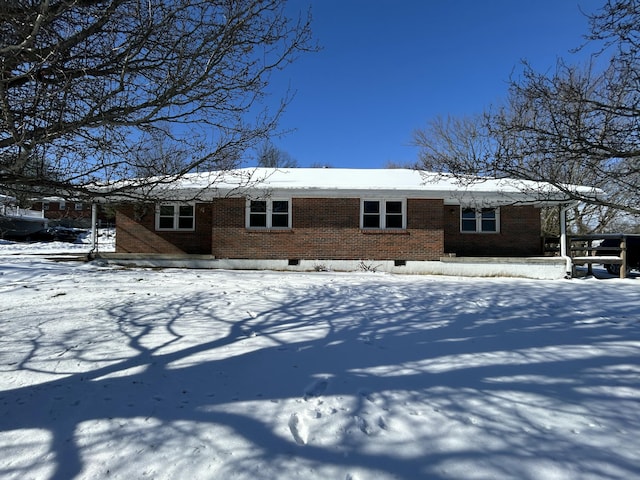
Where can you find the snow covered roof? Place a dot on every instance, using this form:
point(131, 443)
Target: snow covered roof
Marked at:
point(343, 182)
point(7, 199)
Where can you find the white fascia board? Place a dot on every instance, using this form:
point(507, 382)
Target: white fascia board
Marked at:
point(462, 197)
point(350, 183)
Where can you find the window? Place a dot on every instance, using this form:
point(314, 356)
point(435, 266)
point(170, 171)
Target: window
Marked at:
point(62, 205)
point(79, 206)
point(274, 213)
point(175, 216)
point(479, 220)
point(383, 214)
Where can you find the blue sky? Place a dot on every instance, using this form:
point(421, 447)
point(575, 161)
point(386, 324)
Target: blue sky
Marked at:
point(389, 66)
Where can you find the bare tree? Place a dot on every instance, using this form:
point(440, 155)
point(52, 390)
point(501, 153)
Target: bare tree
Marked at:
point(392, 165)
point(472, 147)
point(272, 157)
point(578, 125)
point(84, 84)
point(456, 145)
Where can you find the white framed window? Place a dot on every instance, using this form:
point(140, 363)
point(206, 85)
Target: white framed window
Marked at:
point(387, 214)
point(479, 220)
point(175, 216)
point(269, 213)
point(78, 206)
point(62, 205)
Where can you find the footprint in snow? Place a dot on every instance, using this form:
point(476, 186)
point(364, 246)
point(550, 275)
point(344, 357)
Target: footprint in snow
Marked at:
point(383, 423)
point(364, 425)
point(298, 429)
point(366, 394)
point(316, 389)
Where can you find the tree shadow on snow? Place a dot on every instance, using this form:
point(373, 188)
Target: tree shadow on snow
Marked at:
point(433, 366)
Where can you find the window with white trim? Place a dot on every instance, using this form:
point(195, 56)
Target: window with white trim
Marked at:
point(175, 216)
point(271, 213)
point(479, 220)
point(383, 214)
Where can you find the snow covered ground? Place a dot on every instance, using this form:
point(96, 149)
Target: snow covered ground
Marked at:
point(108, 372)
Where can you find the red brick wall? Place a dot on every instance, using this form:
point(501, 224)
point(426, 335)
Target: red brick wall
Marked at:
point(328, 229)
point(66, 214)
point(54, 210)
point(519, 234)
point(136, 232)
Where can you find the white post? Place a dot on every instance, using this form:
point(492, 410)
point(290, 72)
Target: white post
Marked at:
point(94, 229)
point(564, 250)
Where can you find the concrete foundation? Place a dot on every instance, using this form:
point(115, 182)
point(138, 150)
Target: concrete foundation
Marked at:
point(545, 268)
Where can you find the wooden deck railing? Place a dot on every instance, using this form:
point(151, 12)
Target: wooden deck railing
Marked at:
point(586, 250)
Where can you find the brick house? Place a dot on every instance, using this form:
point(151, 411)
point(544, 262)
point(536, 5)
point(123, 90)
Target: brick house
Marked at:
point(67, 213)
point(336, 214)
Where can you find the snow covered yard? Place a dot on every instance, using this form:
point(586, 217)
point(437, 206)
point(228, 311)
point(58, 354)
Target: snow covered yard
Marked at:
point(164, 374)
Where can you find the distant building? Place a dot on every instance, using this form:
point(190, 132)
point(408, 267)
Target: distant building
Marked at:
point(68, 213)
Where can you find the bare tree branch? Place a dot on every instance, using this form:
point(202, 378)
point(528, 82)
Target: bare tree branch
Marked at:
point(578, 125)
point(85, 83)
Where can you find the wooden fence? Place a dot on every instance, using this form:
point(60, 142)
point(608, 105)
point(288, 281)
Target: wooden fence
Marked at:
point(587, 250)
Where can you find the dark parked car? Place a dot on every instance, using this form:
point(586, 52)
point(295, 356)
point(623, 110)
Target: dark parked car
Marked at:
point(610, 246)
point(59, 234)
